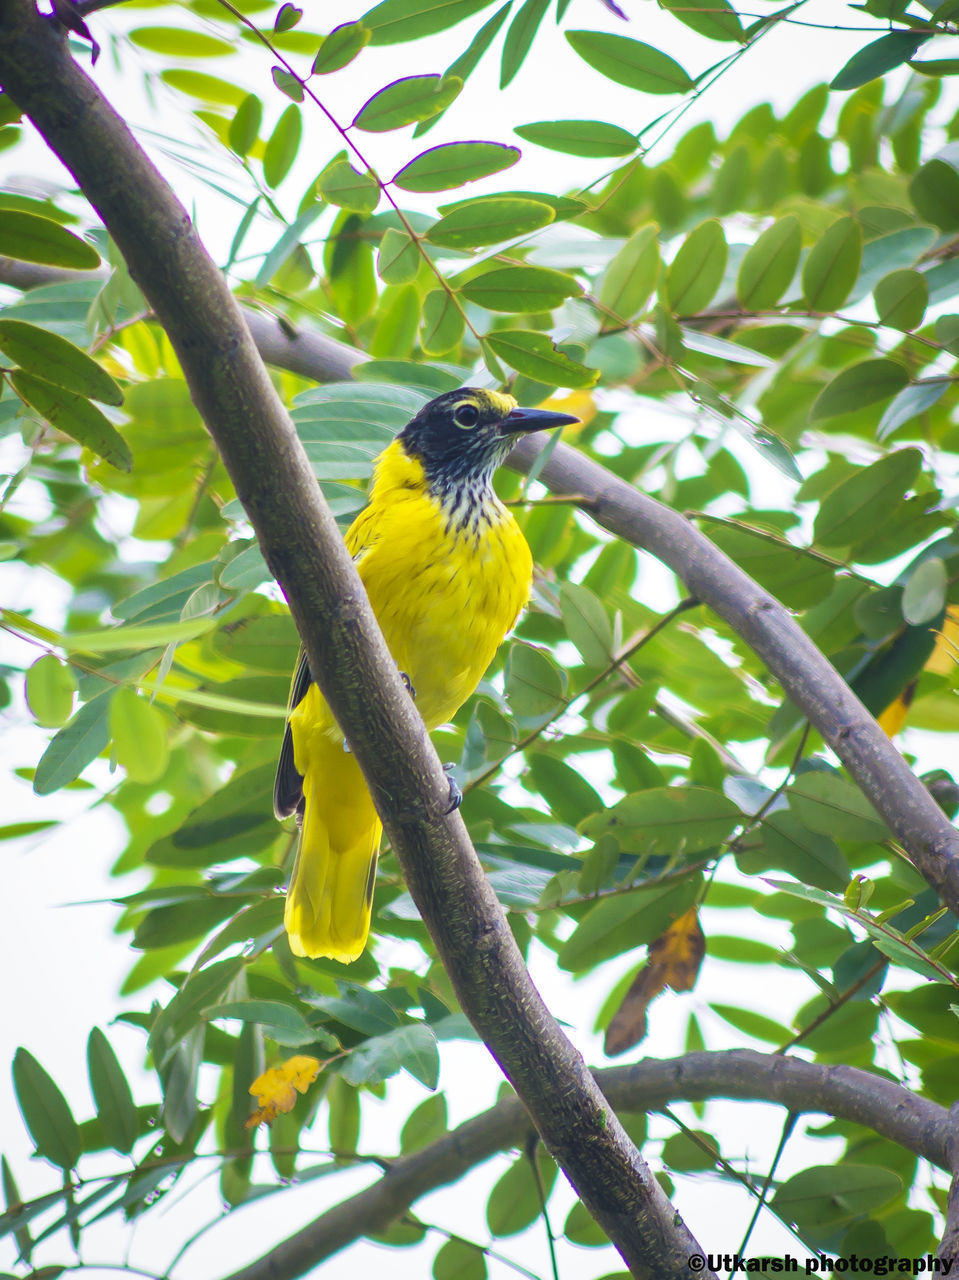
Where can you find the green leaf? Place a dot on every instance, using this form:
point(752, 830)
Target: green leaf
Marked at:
point(394, 21)
point(15, 1206)
point(832, 266)
point(454, 163)
point(859, 504)
point(282, 146)
point(79, 742)
point(180, 42)
point(901, 299)
point(34, 239)
point(877, 58)
point(514, 1202)
point(535, 355)
point(287, 17)
point(139, 733)
point(812, 857)
point(442, 325)
point(148, 636)
point(287, 84)
point(340, 184)
point(860, 385)
point(411, 1047)
point(631, 277)
point(698, 269)
point(587, 624)
point(799, 578)
point(483, 222)
point(583, 1229)
point(769, 265)
point(569, 796)
point(75, 416)
point(51, 687)
point(56, 360)
point(17, 830)
point(45, 1112)
point(207, 88)
point(829, 804)
point(398, 259)
point(630, 62)
point(825, 1198)
point(626, 921)
point(116, 1110)
point(934, 192)
point(753, 1024)
point(666, 820)
point(535, 685)
point(425, 1124)
point(280, 1022)
point(245, 125)
point(910, 403)
point(458, 1259)
point(714, 19)
point(406, 101)
point(924, 596)
point(236, 821)
point(579, 137)
point(519, 38)
point(288, 244)
point(520, 289)
point(340, 47)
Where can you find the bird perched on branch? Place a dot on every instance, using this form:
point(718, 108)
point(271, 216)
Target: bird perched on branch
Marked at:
point(448, 572)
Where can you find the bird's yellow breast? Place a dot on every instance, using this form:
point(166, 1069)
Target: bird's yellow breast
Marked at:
point(447, 580)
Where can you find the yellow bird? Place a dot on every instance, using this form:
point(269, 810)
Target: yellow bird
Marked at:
point(448, 572)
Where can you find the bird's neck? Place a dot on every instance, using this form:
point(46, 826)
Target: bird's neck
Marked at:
point(466, 498)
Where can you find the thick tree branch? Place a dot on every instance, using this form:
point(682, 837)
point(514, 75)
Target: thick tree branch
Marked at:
point(347, 654)
point(280, 343)
point(846, 1092)
point(807, 677)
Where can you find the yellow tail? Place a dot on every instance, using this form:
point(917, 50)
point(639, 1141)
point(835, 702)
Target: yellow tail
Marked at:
point(331, 890)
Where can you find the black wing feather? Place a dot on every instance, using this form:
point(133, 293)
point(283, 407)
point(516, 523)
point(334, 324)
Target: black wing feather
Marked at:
point(288, 788)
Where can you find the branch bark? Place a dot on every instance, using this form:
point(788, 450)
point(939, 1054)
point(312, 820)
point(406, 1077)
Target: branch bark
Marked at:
point(846, 1092)
point(806, 675)
point(230, 387)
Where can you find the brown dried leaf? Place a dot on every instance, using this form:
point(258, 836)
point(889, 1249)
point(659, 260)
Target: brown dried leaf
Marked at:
point(674, 961)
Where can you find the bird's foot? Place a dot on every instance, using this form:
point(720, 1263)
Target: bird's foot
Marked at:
point(409, 685)
point(456, 791)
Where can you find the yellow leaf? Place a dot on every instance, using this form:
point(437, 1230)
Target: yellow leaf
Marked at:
point(276, 1089)
point(580, 403)
point(673, 960)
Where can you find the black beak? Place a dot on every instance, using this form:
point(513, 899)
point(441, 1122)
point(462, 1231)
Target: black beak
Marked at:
point(522, 421)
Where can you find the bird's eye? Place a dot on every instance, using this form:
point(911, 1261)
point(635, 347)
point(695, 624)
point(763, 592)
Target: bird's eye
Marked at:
point(466, 415)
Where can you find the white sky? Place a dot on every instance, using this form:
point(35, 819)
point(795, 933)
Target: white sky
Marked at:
point(62, 961)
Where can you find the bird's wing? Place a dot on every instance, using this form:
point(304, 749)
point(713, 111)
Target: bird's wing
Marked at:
point(288, 787)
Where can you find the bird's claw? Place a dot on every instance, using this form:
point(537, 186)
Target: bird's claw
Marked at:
point(409, 685)
point(456, 791)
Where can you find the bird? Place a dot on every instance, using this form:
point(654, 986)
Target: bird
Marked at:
point(448, 572)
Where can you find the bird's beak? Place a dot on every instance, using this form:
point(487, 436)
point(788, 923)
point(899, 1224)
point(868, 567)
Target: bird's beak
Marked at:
point(522, 421)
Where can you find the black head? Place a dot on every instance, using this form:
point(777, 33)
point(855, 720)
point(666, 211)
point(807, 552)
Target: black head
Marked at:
point(462, 436)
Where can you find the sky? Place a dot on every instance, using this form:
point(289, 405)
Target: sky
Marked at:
point(62, 962)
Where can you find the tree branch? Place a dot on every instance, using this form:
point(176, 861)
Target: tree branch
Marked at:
point(280, 343)
point(346, 651)
point(807, 677)
point(846, 1092)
